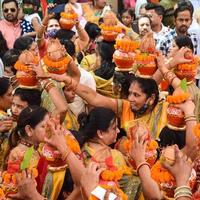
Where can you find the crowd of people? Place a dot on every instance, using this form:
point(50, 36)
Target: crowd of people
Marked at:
point(78, 122)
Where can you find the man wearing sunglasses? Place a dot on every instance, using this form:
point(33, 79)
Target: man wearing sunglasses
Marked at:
point(10, 25)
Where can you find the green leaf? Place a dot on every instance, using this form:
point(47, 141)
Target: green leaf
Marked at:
point(183, 85)
point(27, 157)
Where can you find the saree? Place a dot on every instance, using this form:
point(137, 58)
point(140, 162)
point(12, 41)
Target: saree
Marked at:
point(155, 120)
point(3, 142)
point(112, 159)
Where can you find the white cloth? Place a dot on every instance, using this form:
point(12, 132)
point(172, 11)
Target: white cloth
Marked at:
point(195, 3)
point(79, 105)
point(158, 36)
point(1, 68)
point(30, 17)
point(195, 28)
point(138, 4)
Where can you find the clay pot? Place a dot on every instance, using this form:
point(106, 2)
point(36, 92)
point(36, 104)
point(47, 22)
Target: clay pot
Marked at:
point(52, 156)
point(57, 70)
point(109, 36)
point(175, 116)
point(188, 74)
point(123, 60)
point(67, 24)
point(26, 78)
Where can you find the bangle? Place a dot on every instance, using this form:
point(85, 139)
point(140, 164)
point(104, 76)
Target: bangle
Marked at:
point(141, 165)
point(182, 191)
point(186, 117)
point(169, 76)
point(191, 119)
point(64, 157)
point(49, 86)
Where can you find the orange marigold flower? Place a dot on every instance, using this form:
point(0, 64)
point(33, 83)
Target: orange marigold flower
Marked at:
point(196, 130)
point(178, 98)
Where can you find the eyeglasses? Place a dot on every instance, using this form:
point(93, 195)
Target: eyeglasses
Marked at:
point(11, 9)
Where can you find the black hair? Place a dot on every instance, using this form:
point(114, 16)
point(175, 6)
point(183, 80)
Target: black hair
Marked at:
point(170, 137)
point(3, 45)
point(98, 119)
point(69, 46)
point(186, 3)
point(31, 96)
point(181, 9)
point(184, 41)
point(23, 43)
point(124, 79)
point(4, 85)
point(9, 1)
point(92, 30)
point(130, 11)
point(144, 16)
point(63, 34)
point(149, 87)
point(10, 58)
point(158, 8)
point(32, 116)
point(33, 2)
point(107, 68)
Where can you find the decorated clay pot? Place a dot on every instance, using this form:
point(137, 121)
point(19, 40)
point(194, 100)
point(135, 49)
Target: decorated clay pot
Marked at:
point(68, 20)
point(146, 64)
point(57, 70)
point(26, 78)
point(52, 155)
point(109, 36)
point(175, 116)
point(184, 73)
point(123, 59)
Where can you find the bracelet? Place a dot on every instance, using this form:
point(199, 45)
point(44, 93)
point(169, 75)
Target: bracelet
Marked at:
point(64, 158)
point(48, 86)
point(169, 76)
point(141, 165)
point(190, 119)
point(182, 191)
point(186, 117)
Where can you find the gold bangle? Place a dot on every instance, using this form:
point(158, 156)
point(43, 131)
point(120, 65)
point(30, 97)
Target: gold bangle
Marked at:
point(141, 165)
point(49, 86)
point(64, 158)
point(186, 117)
point(175, 128)
point(192, 119)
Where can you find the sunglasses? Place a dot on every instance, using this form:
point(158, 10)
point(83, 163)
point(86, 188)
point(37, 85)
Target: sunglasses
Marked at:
point(11, 9)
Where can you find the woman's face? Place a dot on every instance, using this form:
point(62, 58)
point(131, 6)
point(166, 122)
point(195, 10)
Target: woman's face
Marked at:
point(173, 49)
point(136, 97)
point(144, 26)
point(17, 106)
point(110, 136)
point(127, 19)
point(6, 99)
point(53, 24)
point(39, 132)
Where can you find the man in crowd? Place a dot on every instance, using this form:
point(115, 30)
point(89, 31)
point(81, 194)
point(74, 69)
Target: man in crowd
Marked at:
point(156, 12)
point(10, 25)
point(182, 21)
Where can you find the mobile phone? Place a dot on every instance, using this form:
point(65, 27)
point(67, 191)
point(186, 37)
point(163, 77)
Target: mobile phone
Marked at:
point(57, 9)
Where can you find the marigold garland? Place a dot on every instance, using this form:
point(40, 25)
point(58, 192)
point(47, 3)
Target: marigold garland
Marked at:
point(73, 15)
point(126, 45)
point(196, 130)
point(178, 98)
point(160, 174)
point(110, 28)
point(56, 64)
point(2, 194)
point(145, 57)
point(115, 175)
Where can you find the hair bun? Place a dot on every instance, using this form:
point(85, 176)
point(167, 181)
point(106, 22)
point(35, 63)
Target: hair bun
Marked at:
point(83, 119)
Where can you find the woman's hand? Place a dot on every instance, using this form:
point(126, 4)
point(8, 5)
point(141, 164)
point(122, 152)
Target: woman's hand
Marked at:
point(26, 186)
point(6, 124)
point(181, 169)
point(90, 178)
point(179, 57)
point(138, 149)
point(187, 107)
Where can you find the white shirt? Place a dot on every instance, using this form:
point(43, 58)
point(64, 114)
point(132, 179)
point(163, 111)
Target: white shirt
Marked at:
point(195, 28)
point(158, 36)
point(79, 105)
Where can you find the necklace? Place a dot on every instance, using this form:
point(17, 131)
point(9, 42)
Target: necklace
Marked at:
point(28, 144)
